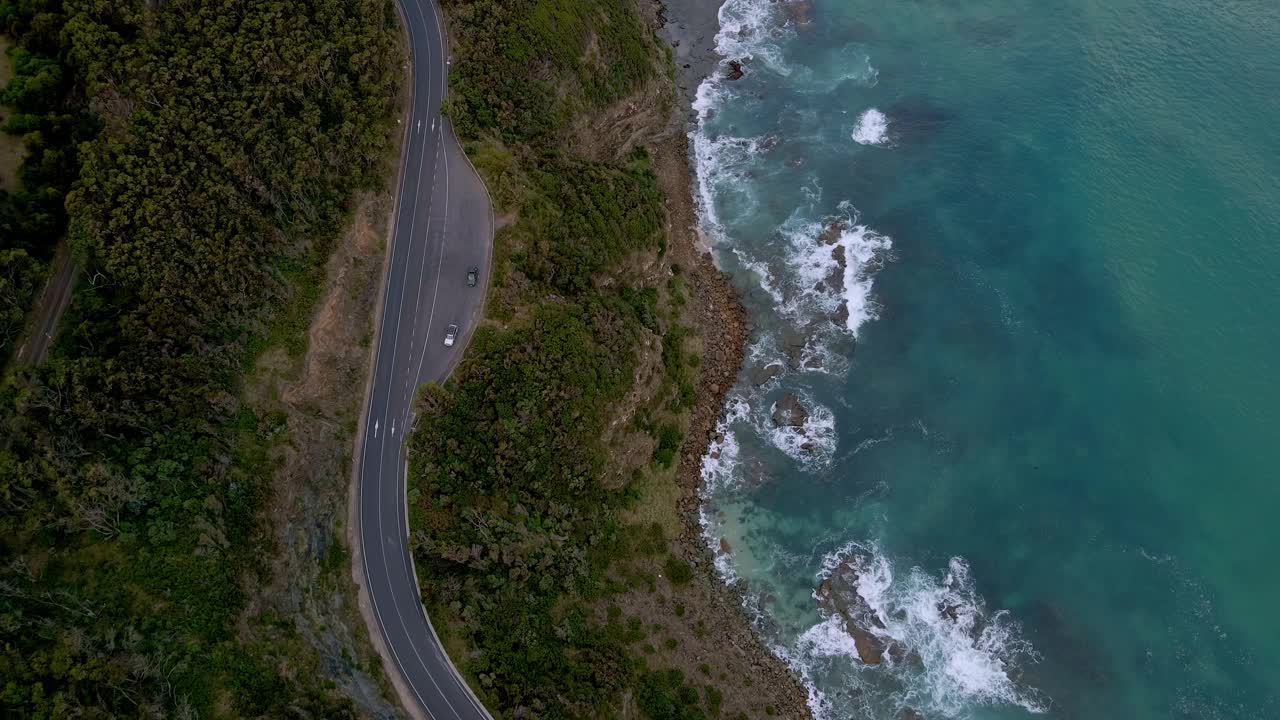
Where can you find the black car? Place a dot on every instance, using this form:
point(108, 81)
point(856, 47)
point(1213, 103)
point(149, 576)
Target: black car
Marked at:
point(473, 276)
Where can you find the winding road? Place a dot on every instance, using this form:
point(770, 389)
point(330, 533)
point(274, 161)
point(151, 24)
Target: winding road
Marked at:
point(443, 226)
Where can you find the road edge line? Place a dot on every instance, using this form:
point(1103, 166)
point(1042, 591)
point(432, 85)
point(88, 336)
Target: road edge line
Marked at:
point(363, 601)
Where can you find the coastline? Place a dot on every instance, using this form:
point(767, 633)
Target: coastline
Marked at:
point(723, 325)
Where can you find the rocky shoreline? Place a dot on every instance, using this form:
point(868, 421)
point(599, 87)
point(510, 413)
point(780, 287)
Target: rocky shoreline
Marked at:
point(721, 321)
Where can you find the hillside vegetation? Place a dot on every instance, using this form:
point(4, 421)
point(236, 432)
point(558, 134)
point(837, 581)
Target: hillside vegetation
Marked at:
point(521, 488)
point(207, 152)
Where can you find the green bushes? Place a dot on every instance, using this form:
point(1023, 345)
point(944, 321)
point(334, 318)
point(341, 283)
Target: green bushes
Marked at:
point(233, 136)
point(678, 571)
point(664, 695)
point(524, 67)
point(515, 534)
point(52, 123)
point(18, 276)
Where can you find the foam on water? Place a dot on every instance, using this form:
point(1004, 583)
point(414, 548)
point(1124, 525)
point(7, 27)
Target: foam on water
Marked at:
point(813, 444)
point(750, 30)
point(763, 275)
point(815, 264)
point(720, 465)
point(818, 269)
point(719, 163)
point(872, 129)
point(963, 661)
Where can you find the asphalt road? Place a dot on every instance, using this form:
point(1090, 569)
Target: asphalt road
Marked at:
point(443, 226)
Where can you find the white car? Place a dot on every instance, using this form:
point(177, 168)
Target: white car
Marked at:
point(450, 335)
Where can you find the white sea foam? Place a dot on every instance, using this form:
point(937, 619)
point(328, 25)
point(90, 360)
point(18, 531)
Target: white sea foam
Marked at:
point(814, 262)
point(963, 662)
point(711, 535)
point(764, 276)
point(720, 162)
point(749, 30)
point(872, 129)
point(720, 466)
point(813, 444)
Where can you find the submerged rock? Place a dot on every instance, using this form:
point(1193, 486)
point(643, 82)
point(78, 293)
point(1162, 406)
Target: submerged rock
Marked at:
point(799, 12)
point(794, 342)
point(759, 375)
point(735, 70)
point(789, 412)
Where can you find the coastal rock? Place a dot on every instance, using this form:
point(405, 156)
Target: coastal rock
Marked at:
point(789, 412)
point(839, 594)
point(735, 70)
point(834, 229)
point(759, 375)
point(837, 254)
point(793, 344)
point(840, 318)
point(835, 279)
point(724, 545)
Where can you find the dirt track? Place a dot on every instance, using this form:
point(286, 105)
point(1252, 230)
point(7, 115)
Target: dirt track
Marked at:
point(46, 314)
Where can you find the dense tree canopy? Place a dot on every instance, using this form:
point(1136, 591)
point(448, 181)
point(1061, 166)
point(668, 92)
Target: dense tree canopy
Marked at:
point(231, 136)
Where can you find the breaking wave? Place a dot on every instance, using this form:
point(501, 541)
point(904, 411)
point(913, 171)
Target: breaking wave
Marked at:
point(872, 129)
point(834, 262)
point(953, 654)
point(817, 271)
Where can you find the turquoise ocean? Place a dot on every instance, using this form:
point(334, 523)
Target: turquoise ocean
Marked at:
point(1019, 264)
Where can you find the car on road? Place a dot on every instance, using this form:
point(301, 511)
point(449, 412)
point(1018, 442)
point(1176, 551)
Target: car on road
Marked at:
point(473, 276)
point(450, 335)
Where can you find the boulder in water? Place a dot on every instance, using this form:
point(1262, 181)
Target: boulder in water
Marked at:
point(735, 70)
point(834, 229)
point(839, 594)
point(759, 375)
point(789, 412)
point(840, 318)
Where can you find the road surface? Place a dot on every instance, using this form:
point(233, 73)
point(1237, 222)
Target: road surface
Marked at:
point(443, 225)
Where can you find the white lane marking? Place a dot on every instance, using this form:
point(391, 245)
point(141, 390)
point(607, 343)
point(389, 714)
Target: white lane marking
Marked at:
point(364, 462)
point(394, 601)
point(375, 428)
point(419, 125)
point(444, 241)
point(393, 427)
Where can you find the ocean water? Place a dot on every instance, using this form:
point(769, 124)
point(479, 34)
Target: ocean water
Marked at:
point(1041, 405)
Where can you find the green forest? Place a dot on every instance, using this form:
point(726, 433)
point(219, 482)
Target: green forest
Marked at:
point(50, 115)
point(516, 533)
point(200, 157)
